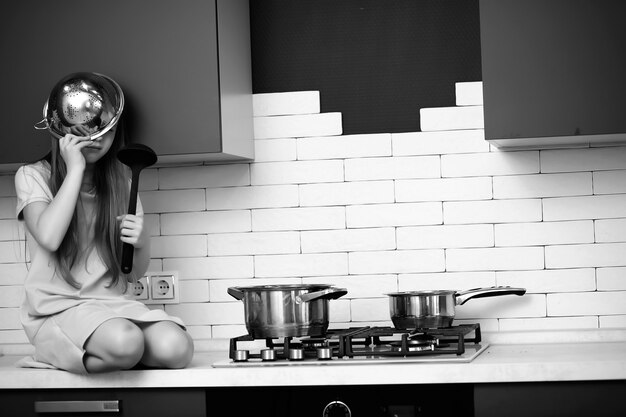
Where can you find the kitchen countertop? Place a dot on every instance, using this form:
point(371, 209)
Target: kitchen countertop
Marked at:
point(518, 357)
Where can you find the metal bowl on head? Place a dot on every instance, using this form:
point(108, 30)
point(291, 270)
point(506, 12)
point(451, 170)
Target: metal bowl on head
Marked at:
point(89, 100)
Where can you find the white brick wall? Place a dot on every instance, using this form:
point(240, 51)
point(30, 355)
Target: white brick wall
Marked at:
point(377, 213)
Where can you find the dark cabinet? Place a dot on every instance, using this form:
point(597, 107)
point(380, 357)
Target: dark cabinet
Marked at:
point(185, 68)
point(361, 400)
point(539, 399)
point(168, 402)
point(553, 72)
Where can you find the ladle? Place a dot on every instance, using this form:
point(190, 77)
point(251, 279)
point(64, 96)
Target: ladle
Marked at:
point(137, 157)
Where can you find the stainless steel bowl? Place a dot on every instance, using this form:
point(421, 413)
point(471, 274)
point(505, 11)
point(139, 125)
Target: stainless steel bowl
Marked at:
point(87, 99)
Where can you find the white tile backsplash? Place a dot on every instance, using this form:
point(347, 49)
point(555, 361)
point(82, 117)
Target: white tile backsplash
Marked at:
point(445, 236)
point(591, 207)
point(457, 281)
point(444, 189)
point(170, 201)
point(206, 222)
point(611, 279)
point(255, 243)
point(344, 193)
point(306, 264)
point(272, 150)
point(297, 172)
point(397, 261)
point(398, 214)
point(544, 233)
point(494, 259)
point(348, 240)
point(469, 93)
point(346, 146)
point(492, 211)
point(11, 296)
point(205, 176)
point(301, 218)
point(212, 267)
point(393, 168)
point(584, 256)
point(609, 182)
point(587, 303)
point(378, 213)
point(295, 102)
point(451, 118)
point(10, 318)
point(12, 273)
point(550, 280)
point(178, 246)
point(262, 196)
point(369, 309)
point(490, 163)
point(439, 142)
point(542, 185)
point(323, 124)
point(581, 160)
point(194, 291)
point(610, 230)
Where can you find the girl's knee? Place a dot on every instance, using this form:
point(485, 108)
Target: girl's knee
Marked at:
point(173, 349)
point(120, 344)
point(127, 345)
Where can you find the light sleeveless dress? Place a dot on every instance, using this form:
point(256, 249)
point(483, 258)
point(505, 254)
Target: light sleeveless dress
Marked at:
point(58, 318)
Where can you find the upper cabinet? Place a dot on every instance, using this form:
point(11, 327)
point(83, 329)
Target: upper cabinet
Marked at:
point(553, 72)
point(185, 68)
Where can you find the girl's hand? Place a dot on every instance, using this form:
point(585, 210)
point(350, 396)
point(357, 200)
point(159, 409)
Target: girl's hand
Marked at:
point(132, 230)
point(70, 146)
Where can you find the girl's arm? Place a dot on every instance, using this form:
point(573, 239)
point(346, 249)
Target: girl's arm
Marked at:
point(48, 222)
point(133, 232)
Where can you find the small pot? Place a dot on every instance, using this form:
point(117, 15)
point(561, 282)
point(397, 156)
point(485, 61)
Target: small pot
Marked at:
point(273, 311)
point(436, 308)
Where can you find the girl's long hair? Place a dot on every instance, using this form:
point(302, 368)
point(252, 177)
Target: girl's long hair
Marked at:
point(111, 183)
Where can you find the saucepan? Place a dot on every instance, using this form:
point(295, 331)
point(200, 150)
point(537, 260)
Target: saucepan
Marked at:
point(436, 308)
point(293, 310)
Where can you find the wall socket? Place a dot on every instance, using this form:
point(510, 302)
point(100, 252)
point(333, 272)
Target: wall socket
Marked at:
point(140, 289)
point(157, 288)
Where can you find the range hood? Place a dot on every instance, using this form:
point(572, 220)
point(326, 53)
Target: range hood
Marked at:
point(554, 72)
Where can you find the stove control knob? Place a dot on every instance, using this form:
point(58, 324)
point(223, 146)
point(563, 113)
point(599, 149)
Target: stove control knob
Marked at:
point(241, 355)
point(336, 409)
point(296, 354)
point(268, 355)
point(324, 353)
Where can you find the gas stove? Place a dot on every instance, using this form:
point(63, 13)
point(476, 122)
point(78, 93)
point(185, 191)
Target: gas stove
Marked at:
point(358, 345)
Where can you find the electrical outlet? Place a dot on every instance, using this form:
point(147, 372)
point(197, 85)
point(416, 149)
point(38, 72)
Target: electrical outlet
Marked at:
point(139, 290)
point(163, 288)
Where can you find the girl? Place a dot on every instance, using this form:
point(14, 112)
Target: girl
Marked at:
point(77, 312)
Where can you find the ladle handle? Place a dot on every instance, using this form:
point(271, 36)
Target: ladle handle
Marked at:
point(128, 250)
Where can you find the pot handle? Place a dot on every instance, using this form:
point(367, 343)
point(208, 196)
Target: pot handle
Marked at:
point(236, 292)
point(328, 293)
point(463, 296)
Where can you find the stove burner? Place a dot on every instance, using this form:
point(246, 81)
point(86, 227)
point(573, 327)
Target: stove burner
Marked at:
point(363, 342)
point(414, 345)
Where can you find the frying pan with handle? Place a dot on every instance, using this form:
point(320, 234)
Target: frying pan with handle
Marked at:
point(137, 157)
